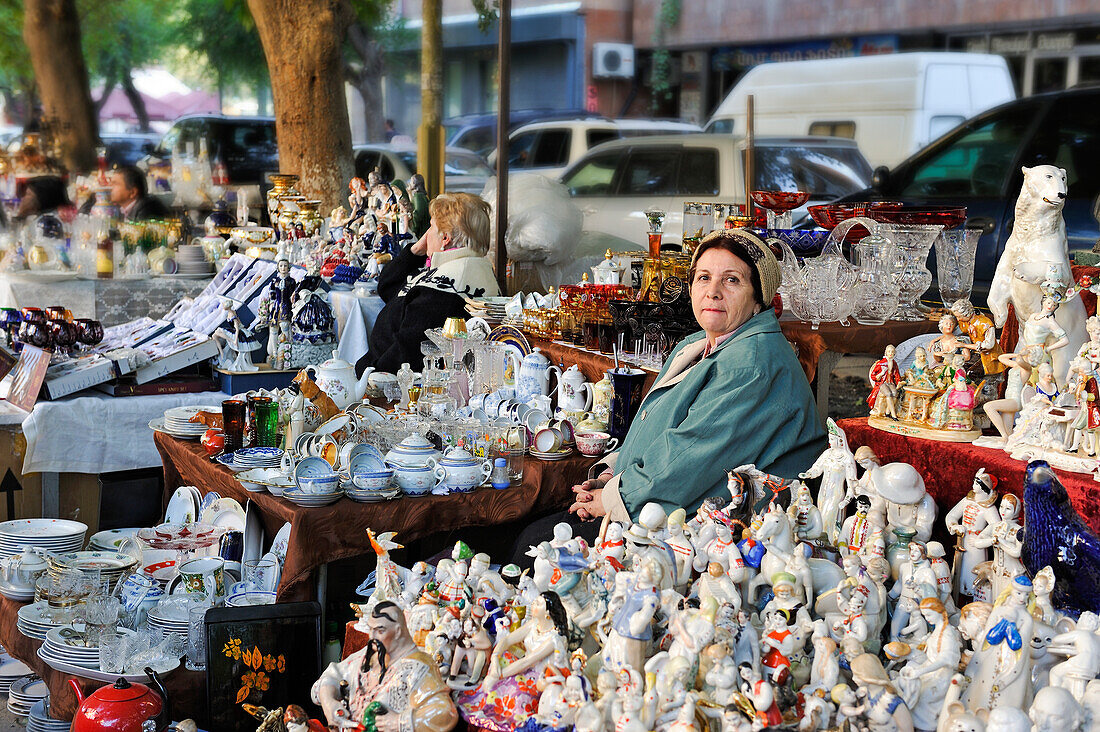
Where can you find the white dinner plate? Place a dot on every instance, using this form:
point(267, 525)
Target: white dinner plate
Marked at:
point(253, 533)
point(281, 543)
point(271, 556)
point(225, 512)
point(181, 507)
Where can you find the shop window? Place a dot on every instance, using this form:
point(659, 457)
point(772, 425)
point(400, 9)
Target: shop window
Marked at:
point(1050, 75)
point(651, 172)
point(1088, 70)
point(834, 129)
point(596, 176)
point(698, 172)
point(552, 149)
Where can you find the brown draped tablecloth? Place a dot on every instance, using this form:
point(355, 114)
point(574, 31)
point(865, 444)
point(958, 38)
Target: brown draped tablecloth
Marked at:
point(854, 338)
point(339, 531)
point(591, 363)
point(186, 689)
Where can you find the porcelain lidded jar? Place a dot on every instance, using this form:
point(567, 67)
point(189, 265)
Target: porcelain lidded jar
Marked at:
point(413, 452)
point(23, 570)
point(534, 376)
point(460, 471)
point(574, 393)
point(602, 393)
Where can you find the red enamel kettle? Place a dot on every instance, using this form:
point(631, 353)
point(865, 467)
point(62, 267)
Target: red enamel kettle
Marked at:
point(121, 707)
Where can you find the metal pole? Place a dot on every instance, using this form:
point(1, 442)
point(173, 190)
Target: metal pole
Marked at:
point(750, 155)
point(504, 54)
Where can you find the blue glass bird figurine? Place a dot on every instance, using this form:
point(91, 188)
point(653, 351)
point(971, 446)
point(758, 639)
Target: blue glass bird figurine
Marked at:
point(1055, 535)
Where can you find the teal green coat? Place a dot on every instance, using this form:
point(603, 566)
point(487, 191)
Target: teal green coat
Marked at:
point(747, 402)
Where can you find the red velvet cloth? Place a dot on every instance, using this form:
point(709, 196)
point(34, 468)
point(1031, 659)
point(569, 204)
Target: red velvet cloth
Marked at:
point(948, 468)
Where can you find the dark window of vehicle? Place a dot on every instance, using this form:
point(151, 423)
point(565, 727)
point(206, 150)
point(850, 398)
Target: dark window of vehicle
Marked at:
point(243, 140)
point(975, 162)
point(595, 176)
point(464, 164)
point(409, 159)
point(827, 172)
point(365, 162)
point(171, 139)
point(1069, 138)
point(595, 137)
point(651, 172)
point(834, 129)
point(520, 149)
point(698, 172)
point(385, 166)
point(478, 139)
point(552, 149)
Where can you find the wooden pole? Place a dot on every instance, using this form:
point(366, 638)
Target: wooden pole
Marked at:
point(750, 155)
point(504, 69)
point(429, 140)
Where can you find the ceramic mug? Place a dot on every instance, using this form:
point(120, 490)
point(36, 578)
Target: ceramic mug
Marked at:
point(477, 401)
point(204, 576)
point(595, 443)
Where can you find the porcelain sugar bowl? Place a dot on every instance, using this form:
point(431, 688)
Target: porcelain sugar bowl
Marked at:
point(414, 462)
point(460, 471)
point(21, 571)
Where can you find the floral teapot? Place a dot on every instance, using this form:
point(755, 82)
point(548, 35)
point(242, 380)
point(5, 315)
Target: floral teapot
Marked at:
point(574, 393)
point(122, 707)
point(534, 376)
point(336, 377)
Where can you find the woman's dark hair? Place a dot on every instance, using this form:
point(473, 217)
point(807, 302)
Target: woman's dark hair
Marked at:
point(557, 613)
point(134, 178)
point(735, 246)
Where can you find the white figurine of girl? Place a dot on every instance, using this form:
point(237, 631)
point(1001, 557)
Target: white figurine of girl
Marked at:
point(235, 349)
point(1002, 412)
point(925, 685)
point(543, 630)
point(884, 709)
point(837, 468)
point(1000, 669)
point(1006, 538)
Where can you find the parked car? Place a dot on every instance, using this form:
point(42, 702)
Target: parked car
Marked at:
point(978, 165)
point(891, 105)
point(616, 182)
point(464, 171)
point(642, 127)
point(478, 132)
point(548, 148)
point(246, 145)
point(127, 149)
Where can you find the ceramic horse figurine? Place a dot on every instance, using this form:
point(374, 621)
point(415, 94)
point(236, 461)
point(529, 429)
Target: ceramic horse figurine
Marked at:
point(321, 401)
point(776, 535)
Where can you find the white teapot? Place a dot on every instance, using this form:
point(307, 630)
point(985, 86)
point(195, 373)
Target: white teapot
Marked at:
point(336, 377)
point(574, 392)
point(534, 376)
point(461, 472)
point(23, 570)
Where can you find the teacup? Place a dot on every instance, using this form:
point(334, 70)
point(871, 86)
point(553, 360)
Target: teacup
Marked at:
point(547, 439)
point(565, 427)
point(204, 576)
point(477, 401)
point(595, 443)
point(372, 481)
point(318, 483)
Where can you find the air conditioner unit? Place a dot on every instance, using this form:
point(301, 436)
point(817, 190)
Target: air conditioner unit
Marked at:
point(612, 61)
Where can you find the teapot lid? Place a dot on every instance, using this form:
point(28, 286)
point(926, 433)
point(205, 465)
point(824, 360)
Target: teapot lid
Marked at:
point(416, 441)
point(121, 691)
point(335, 362)
point(458, 455)
point(535, 356)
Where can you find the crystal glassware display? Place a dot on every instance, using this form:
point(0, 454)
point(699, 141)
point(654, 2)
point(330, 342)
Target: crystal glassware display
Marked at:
point(89, 332)
point(233, 418)
point(100, 614)
point(113, 651)
point(779, 205)
point(259, 574)
point(656, 219)
point(912, 243)
point(196, 639)
point(876, 289)
point(829, 215)
point(900, 213)
point(955, 252)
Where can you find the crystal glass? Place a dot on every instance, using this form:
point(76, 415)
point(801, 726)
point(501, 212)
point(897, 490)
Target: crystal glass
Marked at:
point(912, 244)
point(196, 639)
point(779, 205)
point(100, 614)
point(876, 290)
point(113, 651)
point(259, 574)
point(265, 423)
point(955, 252)
point(233, 418)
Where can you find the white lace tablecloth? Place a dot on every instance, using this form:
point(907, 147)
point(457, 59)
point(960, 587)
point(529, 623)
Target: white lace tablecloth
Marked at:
point(97, 433)
point(355, 316)
point(109, 301)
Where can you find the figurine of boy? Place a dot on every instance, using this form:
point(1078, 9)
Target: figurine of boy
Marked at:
point(885, 377)
point(966, 521)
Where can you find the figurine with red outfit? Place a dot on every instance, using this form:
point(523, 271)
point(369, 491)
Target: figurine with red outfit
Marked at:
point(885, 377)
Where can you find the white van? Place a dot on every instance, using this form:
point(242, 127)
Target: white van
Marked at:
point(891, 105)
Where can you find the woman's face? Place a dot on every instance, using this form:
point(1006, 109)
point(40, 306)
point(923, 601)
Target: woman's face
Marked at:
point(721, 293)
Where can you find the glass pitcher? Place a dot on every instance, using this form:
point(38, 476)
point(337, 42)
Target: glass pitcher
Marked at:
point(876, 289)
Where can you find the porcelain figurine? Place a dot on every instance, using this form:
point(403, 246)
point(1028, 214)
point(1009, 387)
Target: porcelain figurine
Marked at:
point(1055, 710)
point(276, 308)
point(409, 688)
point(680, 543)
point(837, 468)
point(722, 550)
point(855, 625)
point(1002, 412)
point(762, 696)
point(235, 349)
point(1000, 667)
point(924, 685)
point(777, 538)
point(642, 547)
point(716, 584)
point(1005, 536)
point(777, 645)
point(885, 378)
point(631, 628)
point(788, 601)
point(859, 532)
point(948, 344)
point(544, 628)
point(1037, 249)
point(907, 501)
point(1042, 586)
point(613, 546)
point(885, 711)
point(980, 330)
point(850, 709)
point(966, 521)
point(1082, 432)
point(805, 516)
point(1082, 646)
point(701, 527)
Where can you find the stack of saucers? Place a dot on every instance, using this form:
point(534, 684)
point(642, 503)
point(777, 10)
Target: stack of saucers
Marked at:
point(54, 535)
point(312, 500)
point(177, 421)
point(41, 721)
point(110, 565)
point(32, 620)
point(257, 457)
point(25, 693)
point(192, 260)
point(373, 486)
point(171, 615)
point(11, 670)
point(63, 645)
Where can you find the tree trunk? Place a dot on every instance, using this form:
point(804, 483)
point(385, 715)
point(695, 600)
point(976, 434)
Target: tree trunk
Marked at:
point(429, 140)
point(136, 100)
point(108, 86)
point(366, 77)
point(51, 30)
point(302, 42)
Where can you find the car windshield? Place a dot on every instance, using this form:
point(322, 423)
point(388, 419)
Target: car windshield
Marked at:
point(244, 138)
point(466, 164)
point(826, 172)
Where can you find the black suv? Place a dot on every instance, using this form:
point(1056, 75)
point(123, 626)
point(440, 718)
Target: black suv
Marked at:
point(245, 144)
point(978, 165)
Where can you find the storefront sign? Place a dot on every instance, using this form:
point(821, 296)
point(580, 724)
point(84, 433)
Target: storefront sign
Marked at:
point(740, 57)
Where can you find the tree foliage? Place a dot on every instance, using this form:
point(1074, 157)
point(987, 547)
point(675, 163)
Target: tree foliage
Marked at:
point(221, 37)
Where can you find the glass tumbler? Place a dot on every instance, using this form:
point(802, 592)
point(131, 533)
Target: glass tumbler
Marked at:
point(265, 422)
point(955, 254)
point(100, 615)
point(113, 651)
point(259, 574)
point(196, 638)
point(233, 413)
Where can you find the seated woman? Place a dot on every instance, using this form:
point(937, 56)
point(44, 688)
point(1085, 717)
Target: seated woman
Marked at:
point(731, 395)
point(418, 299)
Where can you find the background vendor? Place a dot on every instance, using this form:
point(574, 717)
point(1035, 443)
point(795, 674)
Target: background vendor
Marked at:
point(730, 395)
point(417, 299)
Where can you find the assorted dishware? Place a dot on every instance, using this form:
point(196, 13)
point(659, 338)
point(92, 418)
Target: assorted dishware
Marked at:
point(52, 535)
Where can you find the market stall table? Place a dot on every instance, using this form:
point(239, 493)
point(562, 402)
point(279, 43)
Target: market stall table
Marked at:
point(109, 301)
point(355, 315)
point(186, 689)
point(339, 531)
point(948, 468)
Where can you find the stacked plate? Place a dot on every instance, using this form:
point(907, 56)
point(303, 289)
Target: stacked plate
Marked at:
point(177, 421)
point(11, 670)
point(69, 650)
point(110, 540)
point(54, 535)
point(191, 260)
point(110, 565)
point(257, 457)
point(490, 309)
point(311, 500)
point(171, 615)
point(41, 721)
point(551, 456)
point(33, 622)
point(25, 693)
